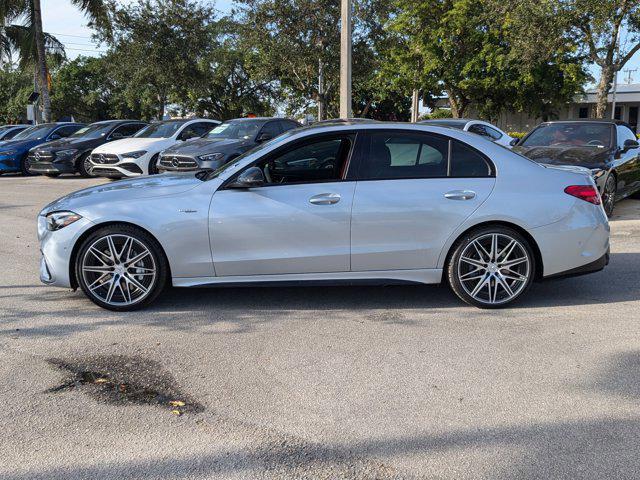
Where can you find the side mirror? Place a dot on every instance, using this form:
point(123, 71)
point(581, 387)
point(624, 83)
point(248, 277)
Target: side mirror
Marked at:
point(54, 136)
point(251, 177)
point(116, 136)
point(514, 142)
point(630, 144)
point(263, 137)
point(184, 136)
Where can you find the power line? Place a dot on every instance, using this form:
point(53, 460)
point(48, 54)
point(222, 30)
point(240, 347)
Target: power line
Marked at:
point(68, 35)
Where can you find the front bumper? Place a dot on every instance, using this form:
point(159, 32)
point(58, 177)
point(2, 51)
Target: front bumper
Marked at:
point(60, 166)
point(56, 249)
point(9, 163)
point(187, 164)
point(116, 171)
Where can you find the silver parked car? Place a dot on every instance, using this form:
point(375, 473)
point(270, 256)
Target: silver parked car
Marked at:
point(344, 202)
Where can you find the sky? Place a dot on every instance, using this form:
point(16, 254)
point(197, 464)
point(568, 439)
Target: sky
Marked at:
point(64, 21)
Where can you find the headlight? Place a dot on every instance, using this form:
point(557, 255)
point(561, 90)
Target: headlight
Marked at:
point(137, 154)
point(58, 220)
point(7, 152)
point(211, 156)
point(66, 153)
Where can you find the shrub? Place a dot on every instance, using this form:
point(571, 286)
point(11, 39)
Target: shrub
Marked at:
point(516, 134)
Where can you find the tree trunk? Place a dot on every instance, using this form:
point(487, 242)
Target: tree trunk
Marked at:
point(162, 101)
point(604, 86)
point(41, 61)
point(458, 104)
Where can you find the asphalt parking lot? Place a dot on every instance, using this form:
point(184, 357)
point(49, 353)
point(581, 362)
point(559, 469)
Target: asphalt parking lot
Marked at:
point(317, 382)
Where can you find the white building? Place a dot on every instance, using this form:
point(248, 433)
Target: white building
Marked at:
point(583, 106)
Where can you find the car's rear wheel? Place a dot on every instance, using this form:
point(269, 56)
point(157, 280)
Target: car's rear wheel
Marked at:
point(491, 267)
point(609, 195)
point(121, 268)
point(83, 165)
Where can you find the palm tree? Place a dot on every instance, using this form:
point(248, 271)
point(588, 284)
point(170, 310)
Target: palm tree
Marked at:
point(21, 32)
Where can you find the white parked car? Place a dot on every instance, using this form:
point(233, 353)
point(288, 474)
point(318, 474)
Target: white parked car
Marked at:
point(341, 203)
point(139, 154)
point(484, 129)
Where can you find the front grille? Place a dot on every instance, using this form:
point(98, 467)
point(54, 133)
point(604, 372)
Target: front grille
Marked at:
point(178, 162)
point(104, 158)
point(42, 157)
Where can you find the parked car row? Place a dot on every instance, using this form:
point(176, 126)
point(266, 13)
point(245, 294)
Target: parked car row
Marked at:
point(129, 148)
point(608, 149)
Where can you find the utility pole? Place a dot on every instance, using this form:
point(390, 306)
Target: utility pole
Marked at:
point(629, 72)
point(345, 61)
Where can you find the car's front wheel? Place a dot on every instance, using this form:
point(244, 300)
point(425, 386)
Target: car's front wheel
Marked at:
point(491, 267)
point(121, 268)
point(84, 166)
point(609, 195)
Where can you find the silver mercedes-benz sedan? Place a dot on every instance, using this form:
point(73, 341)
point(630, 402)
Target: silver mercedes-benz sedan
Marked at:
point(339, 203)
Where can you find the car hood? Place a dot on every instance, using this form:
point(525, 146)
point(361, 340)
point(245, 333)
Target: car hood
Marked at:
point(125, 191)
point(589, 157)
point(133, 144)
point(19, 144)
point(203, 146)
point(79, 143)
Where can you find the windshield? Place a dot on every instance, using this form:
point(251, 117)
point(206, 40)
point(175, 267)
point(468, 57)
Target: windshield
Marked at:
point(597, 135)
point(96, 130)
point(235, 130)
point(36, 132)
point(160, 130)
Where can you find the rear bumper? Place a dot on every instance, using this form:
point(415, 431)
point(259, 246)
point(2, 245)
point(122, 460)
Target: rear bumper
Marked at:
point(578, 242)
point(593, 267)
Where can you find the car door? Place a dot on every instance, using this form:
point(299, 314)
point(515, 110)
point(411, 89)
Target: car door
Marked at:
point(414, 189)
point(628, 163)
point(297, 222)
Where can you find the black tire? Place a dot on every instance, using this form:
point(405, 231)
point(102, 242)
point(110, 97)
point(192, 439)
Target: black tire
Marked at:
point(25, 166)
point(455, 268)
point(153, 165)
point(52, 175)
point(83, 167)
point(609, 194)
point(155, 286)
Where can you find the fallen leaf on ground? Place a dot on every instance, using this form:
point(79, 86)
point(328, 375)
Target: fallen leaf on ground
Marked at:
point(177, 403)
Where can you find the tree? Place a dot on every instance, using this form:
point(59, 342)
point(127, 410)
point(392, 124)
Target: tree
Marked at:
point(472, 50)
point(32, 44)
point(599, 25)
point(157, 48)
point(15, 87)
point(291, 41)
point(86, 89)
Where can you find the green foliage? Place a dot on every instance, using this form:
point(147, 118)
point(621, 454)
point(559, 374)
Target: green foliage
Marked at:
point(15, 88)
point(517, 135)
point(472, 51)
point(437, 113)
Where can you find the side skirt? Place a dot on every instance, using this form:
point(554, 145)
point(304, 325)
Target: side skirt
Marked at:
point(385, 277)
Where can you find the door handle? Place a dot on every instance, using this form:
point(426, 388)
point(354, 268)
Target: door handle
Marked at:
point(325, 199)
point(460, 195)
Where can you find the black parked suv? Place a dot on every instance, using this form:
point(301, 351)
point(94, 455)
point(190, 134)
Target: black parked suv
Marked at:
point(609, 149)
point(71, 154)
point(224, 143)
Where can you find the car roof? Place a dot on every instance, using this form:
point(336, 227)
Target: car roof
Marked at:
point(450, 121)
point(107, 122)
point(588, 120)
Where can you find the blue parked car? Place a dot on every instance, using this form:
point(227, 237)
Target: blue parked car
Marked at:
point(14, 152)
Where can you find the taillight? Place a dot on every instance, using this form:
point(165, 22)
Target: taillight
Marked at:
point(584, 192)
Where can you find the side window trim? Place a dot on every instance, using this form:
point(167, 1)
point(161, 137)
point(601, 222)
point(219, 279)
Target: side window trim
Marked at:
point(364, 144)
point(298, 143)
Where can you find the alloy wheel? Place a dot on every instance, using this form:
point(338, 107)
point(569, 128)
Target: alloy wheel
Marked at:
point(494, 268)
point(609, 195)
point(119, 270)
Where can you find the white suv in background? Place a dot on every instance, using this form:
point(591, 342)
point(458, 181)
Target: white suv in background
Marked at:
point(139, 154)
